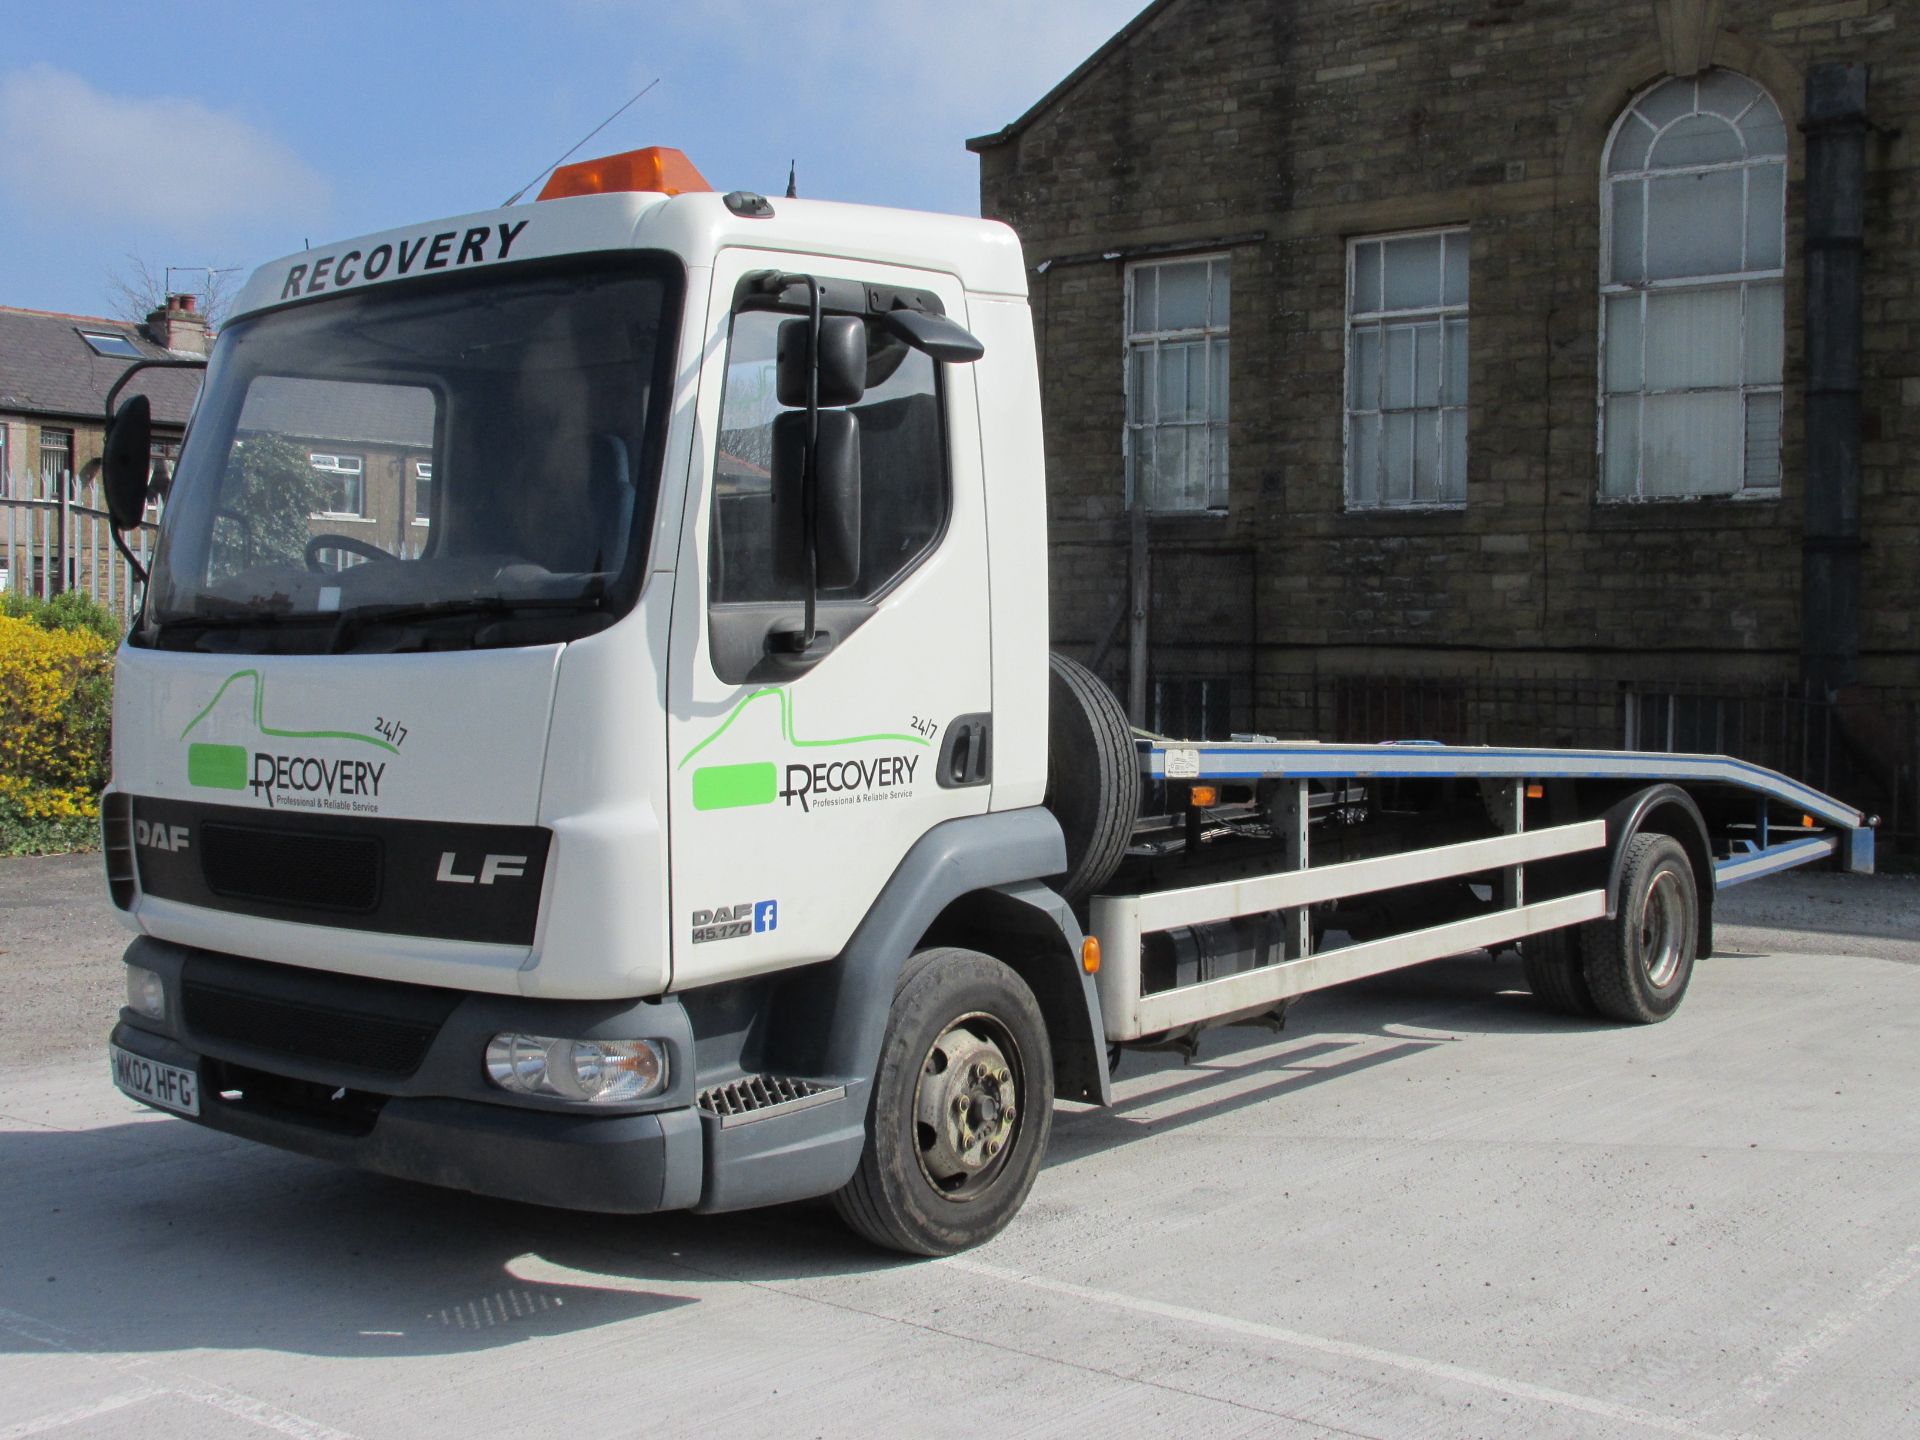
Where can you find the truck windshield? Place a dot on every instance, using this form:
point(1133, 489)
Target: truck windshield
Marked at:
point(468, 461)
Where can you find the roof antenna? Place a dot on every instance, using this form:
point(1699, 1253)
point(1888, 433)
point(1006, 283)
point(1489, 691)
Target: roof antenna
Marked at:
point(514, 198)
point(793, 192)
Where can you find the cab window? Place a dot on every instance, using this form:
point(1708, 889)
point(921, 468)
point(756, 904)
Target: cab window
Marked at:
point(904, 491)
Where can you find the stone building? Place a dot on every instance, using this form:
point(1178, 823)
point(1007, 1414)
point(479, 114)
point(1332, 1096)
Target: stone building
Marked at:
point(1458, 362)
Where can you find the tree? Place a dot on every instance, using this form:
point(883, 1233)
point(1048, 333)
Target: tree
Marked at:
point(269, 492)
point(138, 289)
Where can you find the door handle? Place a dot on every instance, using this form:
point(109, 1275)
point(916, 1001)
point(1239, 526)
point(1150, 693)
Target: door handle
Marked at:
point(966, 756)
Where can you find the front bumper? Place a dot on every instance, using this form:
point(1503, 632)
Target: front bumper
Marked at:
point(611, 1164)
point(388, 1077)
point(321, 1064)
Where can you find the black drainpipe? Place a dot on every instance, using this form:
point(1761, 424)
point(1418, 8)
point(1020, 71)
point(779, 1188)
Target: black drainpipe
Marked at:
point(1836, 131)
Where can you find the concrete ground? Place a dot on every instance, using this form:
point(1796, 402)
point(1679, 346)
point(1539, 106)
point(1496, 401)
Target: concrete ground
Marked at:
point(1428, 1208)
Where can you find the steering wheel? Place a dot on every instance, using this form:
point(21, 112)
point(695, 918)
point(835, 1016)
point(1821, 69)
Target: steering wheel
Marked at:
point(351, 543)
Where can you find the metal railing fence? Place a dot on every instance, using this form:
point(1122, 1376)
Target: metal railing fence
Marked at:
point(55, 536)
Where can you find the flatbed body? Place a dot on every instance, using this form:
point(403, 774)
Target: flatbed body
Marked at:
point(1256, 851)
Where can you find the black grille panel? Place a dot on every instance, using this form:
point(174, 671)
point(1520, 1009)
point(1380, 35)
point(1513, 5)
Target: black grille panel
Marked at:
point(382, 1044)
point(292, 867)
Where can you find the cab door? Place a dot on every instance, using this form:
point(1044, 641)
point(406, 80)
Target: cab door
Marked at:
point(797, 785)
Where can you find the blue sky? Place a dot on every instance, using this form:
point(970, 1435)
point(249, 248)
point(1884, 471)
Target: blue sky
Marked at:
point(228, 133)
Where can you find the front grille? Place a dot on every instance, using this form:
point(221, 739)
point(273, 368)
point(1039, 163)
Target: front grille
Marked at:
point(325, 1107)
point(756, 1097)
point(291, 867)
point(381, 1044)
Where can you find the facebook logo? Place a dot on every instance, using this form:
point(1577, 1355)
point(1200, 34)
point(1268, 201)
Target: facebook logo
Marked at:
point(766, 915)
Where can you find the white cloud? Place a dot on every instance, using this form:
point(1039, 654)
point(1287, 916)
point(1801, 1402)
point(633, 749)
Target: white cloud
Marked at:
point(69, 152)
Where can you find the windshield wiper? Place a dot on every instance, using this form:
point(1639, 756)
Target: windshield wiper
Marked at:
point(480, 605)
point(238, 619)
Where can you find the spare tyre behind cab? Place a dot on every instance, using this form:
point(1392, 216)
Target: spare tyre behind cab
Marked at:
point(1093, 776)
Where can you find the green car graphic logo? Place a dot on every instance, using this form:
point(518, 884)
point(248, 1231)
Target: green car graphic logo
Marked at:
point(212, 766)
point(757, 782)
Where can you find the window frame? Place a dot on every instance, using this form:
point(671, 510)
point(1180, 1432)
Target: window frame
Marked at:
point(66, 466)
point(1381, 320)
point(161, 449)
point(94, 338)
point(1218, 492)
point(422, 473)
point(358, 473)
point(1743, 281)
point(737, 626)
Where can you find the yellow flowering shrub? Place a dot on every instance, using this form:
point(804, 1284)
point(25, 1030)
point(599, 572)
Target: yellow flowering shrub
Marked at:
point(56, 704)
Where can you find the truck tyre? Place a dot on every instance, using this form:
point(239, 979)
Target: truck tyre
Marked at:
point(962, 1105)
point(1555, 974)
point(1638, 963)
point(1093, 776)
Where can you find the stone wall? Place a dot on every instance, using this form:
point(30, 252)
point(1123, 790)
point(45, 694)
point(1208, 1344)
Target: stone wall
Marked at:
point(1275, 132)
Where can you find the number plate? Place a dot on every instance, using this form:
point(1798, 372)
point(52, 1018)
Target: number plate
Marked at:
point(167, 1086)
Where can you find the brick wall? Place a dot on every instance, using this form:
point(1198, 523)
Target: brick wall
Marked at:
point(1290, 128)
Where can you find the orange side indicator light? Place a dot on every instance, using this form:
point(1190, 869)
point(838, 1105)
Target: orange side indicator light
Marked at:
point(658, 169)
point(1205, 795)
point(1806, 822)
point(1090, 954)
point(1536, 792)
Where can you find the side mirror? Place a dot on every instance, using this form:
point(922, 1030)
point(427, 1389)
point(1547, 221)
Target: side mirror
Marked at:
point(837, 475)
point(936, 334)
point(127, 463)
point(843, 361)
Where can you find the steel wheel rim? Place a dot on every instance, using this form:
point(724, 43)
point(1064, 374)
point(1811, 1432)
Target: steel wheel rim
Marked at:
point(967, 1106)
point(1662, 927)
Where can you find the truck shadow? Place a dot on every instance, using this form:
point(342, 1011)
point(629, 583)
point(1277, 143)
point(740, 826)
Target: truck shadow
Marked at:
point(151, 1236)
point(1329, 1036)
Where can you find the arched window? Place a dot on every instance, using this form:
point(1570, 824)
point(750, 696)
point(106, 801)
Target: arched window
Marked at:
point(1693, 208)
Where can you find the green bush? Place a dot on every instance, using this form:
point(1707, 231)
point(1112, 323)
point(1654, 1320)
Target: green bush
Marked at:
point(56, 715)
point(71, 610)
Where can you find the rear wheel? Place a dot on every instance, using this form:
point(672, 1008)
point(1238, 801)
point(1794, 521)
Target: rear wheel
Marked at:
point(961, 1108)
point(1638, 963)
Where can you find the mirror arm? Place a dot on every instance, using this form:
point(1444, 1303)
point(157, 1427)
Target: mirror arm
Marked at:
point(801, 642)
point(133, 564)
point(810, 474)
point(139, 365)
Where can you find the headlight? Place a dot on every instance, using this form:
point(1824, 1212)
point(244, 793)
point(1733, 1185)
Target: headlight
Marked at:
point(600, 1072)
point(145, 993)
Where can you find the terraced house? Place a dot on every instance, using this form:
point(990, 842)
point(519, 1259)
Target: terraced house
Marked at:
point(55, 372)
point(366, 469)
point(1490, 370)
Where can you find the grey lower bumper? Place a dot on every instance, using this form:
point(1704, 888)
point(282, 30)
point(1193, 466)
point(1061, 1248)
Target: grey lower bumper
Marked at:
point(275, 1064)
point(612, 1164)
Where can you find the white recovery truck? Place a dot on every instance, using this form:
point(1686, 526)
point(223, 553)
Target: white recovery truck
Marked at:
point(647, 785)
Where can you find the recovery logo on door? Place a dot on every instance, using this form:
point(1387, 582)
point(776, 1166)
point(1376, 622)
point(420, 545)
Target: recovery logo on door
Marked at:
point(806, 784)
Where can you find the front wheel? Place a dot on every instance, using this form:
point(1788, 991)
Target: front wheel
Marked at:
point(1638, 963)
point(961, 1109)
